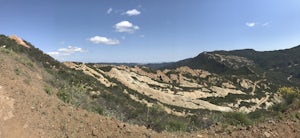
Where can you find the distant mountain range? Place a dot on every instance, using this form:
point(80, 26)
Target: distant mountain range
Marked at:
point(277, 65)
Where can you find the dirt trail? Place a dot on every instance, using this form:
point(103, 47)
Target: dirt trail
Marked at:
point(9, 126)
point(6, 106)
point(255, 85)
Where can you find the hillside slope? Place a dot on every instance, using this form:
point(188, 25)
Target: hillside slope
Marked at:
point(27, 110)
point(40, 97)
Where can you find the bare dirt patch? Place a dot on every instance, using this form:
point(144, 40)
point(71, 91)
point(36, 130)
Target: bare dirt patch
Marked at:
point(6, 106)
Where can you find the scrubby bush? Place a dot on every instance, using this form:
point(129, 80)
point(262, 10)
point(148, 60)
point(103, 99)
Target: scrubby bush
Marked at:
point(48, 90)
point(237, 118)
point(247, 104)
point(64, 95)
point(176, 126)
point(6, 51)
point(74, 94)
point(291, 101)
point(260, 114)
point(17, 71)
point(98, 109)
point(280, 107)
point(290, 94)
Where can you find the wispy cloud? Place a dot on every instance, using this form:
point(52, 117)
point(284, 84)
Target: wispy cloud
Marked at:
point(104, 40)
point(66, 51)
point(265, 24)
point(257, 24)
point(126, 26)
point(250, 24)
point(109, 10)
point(132, 12)
point(70, 50)
point(55, 53)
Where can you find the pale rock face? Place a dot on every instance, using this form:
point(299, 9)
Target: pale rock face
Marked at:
point(19, 41)
point(191, 88)
point(246, 83)
point(228, 85)
point(89, 71)
point(235, 62)
point(184, 99)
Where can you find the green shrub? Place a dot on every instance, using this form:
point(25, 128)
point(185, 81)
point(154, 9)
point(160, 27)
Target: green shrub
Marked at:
point(6, 51)
point(247, 104)
point(64, 95)
point(48, 90)
point(74, 94)
point(156, 108)
point(280, 107)
point(297, 115)
point(175, 126)
point(260, 114)
point(289, 94)
point(17, 71)
point(98, 109)
point(237, 118)
point(30, 64)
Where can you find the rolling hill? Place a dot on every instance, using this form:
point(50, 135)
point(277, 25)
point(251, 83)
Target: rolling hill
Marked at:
point(237, 89)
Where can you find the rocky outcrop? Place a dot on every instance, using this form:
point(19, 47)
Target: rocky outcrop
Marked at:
point(182, 87)
point(19, 40)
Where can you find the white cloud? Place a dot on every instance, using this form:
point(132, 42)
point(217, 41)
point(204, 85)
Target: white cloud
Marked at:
point(66, 51)
point(250, 24)
point(104, 40)
point(132, 12)
point(126, 26)
point(257, 24)
point(109, 10)
point(53, 53)
point(70, 50)
point(266, 24)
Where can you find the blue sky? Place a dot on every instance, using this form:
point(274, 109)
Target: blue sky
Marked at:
point(150, 30)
